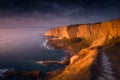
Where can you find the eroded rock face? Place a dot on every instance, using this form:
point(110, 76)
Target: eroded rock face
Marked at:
point(79, 67)
point(98, 34)
point(58, 32)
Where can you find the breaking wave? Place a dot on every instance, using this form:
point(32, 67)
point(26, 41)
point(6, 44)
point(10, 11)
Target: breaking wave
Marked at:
point(47, 46)
point(2, 71)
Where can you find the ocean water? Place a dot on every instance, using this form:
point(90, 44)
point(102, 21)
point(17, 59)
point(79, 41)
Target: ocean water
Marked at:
point(21, 48)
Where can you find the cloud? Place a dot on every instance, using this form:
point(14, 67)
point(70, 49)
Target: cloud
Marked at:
point(23, 7)
point(56, 12)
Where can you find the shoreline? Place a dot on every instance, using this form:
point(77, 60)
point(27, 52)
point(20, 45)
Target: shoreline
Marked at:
point(84, 43)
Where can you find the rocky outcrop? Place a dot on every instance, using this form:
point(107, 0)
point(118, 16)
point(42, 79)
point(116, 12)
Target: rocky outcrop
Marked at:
point(24, 75)
point(97, 35)
point(58, 32)
point(79, 67)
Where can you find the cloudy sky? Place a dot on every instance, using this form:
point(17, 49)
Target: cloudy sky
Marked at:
point(51, 13)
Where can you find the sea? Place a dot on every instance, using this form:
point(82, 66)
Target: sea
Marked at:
point(22, 48)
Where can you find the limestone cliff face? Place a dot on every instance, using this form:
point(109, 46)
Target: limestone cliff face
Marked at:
point(97, 33)
point(79, 67)
point(58, 32)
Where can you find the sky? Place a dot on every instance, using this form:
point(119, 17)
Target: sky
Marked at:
point(52, 13)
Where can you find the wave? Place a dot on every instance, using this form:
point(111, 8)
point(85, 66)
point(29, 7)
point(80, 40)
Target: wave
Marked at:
point(47, 46)
point(2, 71)
point(47, 63)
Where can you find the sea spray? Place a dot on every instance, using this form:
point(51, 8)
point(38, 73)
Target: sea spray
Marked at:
point(46, 45)
point(2, 71)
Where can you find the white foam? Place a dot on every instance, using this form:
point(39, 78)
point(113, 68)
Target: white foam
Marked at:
point(46, 45)
point(39, 62)
point(2, 71)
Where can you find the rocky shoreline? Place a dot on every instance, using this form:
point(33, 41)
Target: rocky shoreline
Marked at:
point(95, 70)
point(98, 72)
point(70, 52)
point(24, 75)
point(84, 58)
point(84, 43)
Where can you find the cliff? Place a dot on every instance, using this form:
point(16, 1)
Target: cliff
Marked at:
point(96, 36)
point(97, 33)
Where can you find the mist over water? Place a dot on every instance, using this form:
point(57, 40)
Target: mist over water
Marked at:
point(21, 48)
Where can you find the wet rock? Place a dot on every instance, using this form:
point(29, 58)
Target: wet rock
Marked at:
point(25, 75)
point(35, 73)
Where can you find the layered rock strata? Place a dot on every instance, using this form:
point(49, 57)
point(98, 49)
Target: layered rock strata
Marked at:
point(98, 35)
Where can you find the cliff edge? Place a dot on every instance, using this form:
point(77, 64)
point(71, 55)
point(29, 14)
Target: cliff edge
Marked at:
point(96, 36)
point(97, 33)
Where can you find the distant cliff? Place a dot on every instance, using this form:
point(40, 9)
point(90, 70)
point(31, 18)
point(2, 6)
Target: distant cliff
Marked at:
point(97, 33)
point(99, 36)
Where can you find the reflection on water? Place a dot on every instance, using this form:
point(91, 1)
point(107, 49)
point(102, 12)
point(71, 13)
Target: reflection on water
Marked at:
point(20, 48)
